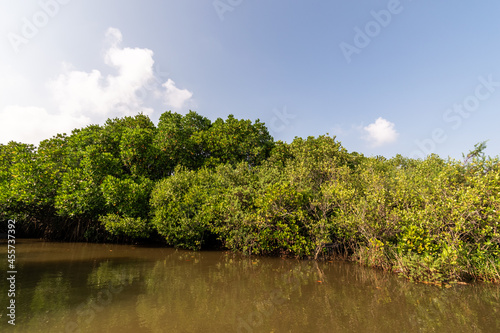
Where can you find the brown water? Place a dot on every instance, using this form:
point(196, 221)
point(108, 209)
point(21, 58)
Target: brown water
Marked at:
point(73, 287)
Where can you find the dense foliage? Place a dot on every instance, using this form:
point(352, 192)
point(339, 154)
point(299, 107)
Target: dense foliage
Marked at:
point(197, 184)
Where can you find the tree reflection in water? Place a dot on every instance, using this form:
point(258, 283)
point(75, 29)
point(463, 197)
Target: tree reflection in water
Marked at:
point(164, 290)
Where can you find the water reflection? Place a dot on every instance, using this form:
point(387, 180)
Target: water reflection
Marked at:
point(109, 288)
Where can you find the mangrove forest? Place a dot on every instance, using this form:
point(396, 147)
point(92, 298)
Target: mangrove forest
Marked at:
point(195, 184)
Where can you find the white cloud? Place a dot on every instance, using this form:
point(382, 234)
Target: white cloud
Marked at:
point(175, 97)
point(78, 92)
point(77, 98)
point(381, 132)
point(33, 124)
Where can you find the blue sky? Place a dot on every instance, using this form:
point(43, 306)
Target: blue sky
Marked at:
point(412, 77)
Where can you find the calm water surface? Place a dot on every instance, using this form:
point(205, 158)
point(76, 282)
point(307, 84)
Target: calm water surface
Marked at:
point(73, 287)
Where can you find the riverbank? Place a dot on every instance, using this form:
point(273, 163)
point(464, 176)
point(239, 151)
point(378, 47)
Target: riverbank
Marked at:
point(194, 184)
point(68, 287)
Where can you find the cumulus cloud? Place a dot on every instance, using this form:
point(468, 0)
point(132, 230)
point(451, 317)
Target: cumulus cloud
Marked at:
point(175, 97)
point(33, 124)
point(381, 132)
point(78, 92)
point(78, 98)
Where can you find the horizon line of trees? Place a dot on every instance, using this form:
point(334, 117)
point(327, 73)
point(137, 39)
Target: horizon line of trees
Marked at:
point(193, 183)
point(103, 175)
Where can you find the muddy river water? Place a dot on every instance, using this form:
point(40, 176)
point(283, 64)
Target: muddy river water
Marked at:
point(77, 287)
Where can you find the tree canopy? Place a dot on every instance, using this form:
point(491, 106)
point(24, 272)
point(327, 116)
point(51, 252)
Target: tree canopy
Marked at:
point(194, 183)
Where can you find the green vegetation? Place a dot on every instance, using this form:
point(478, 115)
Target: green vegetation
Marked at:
point(197, 184)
